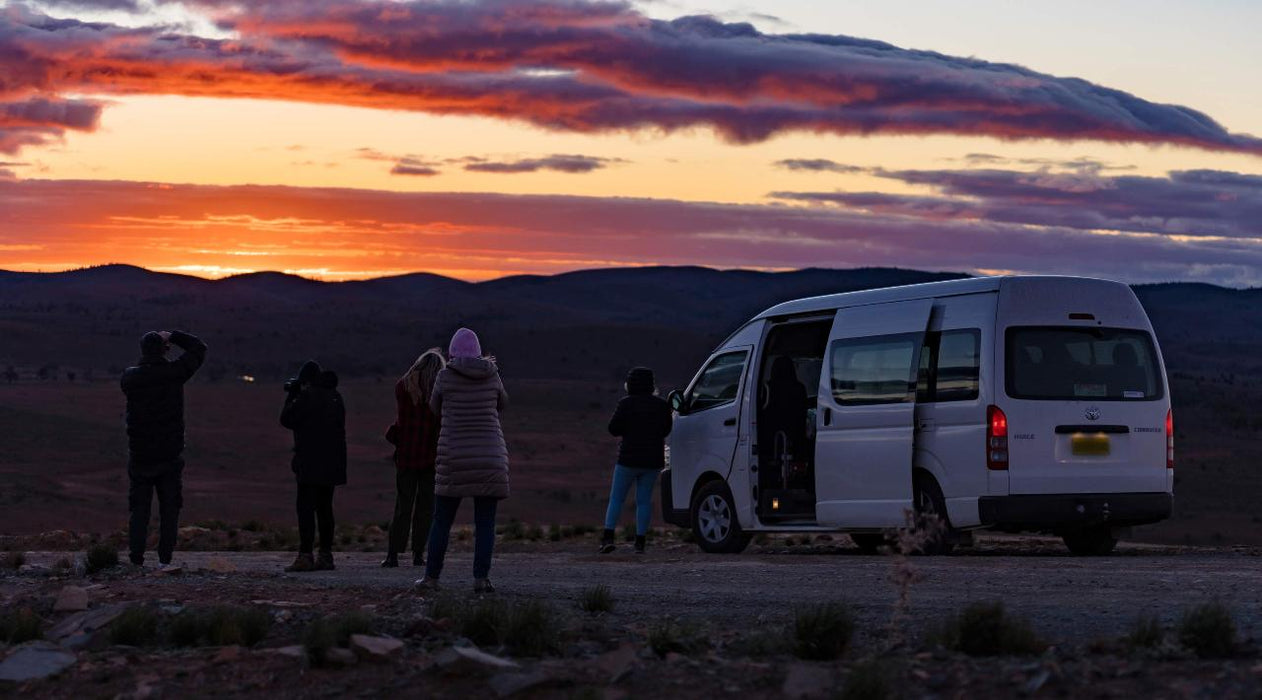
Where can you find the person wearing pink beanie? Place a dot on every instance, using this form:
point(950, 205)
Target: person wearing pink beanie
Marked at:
point(472, 457)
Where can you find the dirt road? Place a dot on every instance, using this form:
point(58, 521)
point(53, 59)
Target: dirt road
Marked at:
point(1068, 599)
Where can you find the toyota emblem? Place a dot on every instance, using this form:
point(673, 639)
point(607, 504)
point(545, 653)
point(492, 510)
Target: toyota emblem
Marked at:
point(1092, 413)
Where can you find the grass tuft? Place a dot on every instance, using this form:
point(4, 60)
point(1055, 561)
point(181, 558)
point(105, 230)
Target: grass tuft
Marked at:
point(532, 629)
point(137, 627)
point(20, 625)
point(1208, 631)
point(869, 680)
point(986, 629)
point(100, 557)
point(669, 637)
point(597, 599)
point(325, 633)
point(220, 626)
point(1145, 633)
point(12, 560)
point(822, 632)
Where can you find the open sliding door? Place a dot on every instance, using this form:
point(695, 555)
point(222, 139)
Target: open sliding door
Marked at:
point(865, 421)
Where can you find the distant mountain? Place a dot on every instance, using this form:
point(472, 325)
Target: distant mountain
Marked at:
point(579, 332)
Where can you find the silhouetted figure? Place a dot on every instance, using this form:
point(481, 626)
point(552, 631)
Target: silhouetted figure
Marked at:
point(314, 411)
point(472, 456)
point(155, 436)
point(415, 437)
point(642, 420)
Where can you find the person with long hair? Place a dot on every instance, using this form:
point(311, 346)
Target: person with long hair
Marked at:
point(415, 438)
point(472, 456)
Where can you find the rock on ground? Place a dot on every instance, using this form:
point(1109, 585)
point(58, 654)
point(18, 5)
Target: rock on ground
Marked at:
point(71, 599)
point(806, 681)
point(374, 647)
point(34, 661)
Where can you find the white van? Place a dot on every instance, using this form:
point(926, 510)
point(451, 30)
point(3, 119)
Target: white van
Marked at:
point(1021, 403)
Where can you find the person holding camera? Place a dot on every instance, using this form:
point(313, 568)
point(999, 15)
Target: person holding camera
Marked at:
point(315, 413)
point(155, 437)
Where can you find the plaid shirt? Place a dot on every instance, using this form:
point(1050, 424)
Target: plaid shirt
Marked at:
point(414, 434)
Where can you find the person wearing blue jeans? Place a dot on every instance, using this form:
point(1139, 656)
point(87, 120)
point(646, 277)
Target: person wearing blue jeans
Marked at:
point(445, 508)
point(642, 420)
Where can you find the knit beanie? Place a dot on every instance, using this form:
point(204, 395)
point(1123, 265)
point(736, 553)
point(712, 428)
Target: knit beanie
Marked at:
point(464, 344)
point(640, 380)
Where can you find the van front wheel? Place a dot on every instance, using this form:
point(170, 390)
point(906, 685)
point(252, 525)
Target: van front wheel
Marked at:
point(714, 521)
point(1092, 542)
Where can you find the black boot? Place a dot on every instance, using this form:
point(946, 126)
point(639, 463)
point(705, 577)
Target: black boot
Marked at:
point(639, 544)
point(391, 561)
point(606, 542)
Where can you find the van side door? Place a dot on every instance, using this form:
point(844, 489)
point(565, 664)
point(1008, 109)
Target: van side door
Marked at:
point(866, 418)
point(706, 430)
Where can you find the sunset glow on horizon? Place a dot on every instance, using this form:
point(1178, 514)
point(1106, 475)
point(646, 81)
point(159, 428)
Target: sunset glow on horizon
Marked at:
point(346, 139)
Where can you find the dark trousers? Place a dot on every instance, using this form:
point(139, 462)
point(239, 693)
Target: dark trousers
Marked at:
point(445, 508)
point(413, 508)
point(315, 502)
point(168, 481)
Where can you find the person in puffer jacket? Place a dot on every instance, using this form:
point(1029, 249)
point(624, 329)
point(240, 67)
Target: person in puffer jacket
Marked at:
point(642, 420)
point(472, 458)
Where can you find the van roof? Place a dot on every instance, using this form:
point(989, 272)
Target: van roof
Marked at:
point(828, 302)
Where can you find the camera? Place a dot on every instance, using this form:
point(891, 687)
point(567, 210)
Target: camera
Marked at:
point(292, 385)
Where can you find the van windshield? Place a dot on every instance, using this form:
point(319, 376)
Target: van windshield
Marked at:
point(1075, 364)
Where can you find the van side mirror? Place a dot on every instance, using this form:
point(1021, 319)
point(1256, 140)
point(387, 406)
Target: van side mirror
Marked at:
point(676, 401)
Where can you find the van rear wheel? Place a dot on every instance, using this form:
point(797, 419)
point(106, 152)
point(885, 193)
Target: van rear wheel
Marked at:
point(714, 521)
point(1092, 542)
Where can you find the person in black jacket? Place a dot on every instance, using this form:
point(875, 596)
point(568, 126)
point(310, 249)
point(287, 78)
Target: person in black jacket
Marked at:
point(643, 421)
point(315, 412)
point(155, 437)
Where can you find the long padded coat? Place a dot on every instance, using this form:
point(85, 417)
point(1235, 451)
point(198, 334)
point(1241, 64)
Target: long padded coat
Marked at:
point(472, 455)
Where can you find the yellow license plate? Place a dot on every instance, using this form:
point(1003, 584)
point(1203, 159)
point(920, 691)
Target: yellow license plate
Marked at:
point(1090, 445)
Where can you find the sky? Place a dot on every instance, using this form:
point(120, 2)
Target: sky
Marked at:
point(343, 139)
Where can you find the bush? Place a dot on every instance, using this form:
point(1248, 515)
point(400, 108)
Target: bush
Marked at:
point(669, 637)
point(532, 629)
point(446, 607)
point(12, 560)
point(761, 644)
point(100, 557)
point(327, 632)
point(21, 625)
point(513, 530)
point(822, 632)
point(554, 533)
point(869, 680)
point(597, 599)
point(985, 629)
point(137, 627)
point(1208, 631)
point(1146, 633)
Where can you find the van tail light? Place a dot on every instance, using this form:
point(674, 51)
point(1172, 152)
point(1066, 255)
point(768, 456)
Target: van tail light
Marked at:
point(996, 439)
point(1170, 439)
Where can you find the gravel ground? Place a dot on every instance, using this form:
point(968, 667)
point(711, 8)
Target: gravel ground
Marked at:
point(1069, 600)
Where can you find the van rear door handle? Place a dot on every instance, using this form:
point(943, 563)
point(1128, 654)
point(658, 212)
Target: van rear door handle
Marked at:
point(730, 421)
point(828, 416)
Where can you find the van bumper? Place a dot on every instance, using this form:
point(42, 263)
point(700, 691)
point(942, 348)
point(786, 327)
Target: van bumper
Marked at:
point(1057, 512)
point(669, 513)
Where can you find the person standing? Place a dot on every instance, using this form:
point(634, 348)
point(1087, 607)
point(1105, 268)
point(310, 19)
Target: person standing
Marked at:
point(315, 413)
point(472, 459)
point(643, 421)
point(155, 437)
point(415, 437)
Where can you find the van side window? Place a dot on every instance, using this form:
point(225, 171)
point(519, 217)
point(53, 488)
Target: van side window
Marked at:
point(874, 370)
point(719, 382)
point(950, 365)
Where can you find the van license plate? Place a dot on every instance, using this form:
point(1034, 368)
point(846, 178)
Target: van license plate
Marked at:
point(1090, 445)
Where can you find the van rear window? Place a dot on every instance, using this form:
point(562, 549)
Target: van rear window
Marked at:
point(1081, 364)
